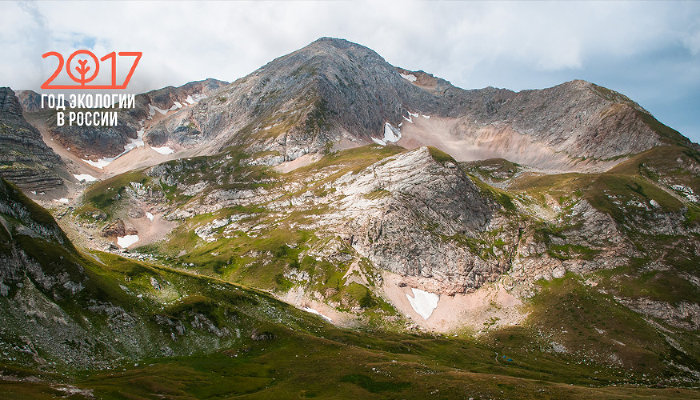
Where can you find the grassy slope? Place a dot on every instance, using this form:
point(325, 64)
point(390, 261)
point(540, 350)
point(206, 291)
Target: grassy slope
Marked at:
point(579, 309)
point(455, 366)
point(308, 358)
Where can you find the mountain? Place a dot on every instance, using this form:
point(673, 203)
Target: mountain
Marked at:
point(334, 94)
point(25, 159)
point(340, 94)
point(487, 243)
point(97, 325)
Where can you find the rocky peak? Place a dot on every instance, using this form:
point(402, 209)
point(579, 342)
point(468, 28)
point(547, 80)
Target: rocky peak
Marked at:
point(335, 94)
point(338, 93)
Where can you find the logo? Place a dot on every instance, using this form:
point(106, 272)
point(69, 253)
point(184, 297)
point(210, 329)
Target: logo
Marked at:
point(88, 68)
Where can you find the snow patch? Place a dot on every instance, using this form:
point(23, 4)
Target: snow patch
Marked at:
point(126, 241)
point(195, 99)
point(391, 134)
point(134, 143)
point(414, 115)
point(62, 200)
point(149, 216)
point(423, 302)
point(409, 77)
point(163, 150)
point(152, 111)
point(312, 311)
point(379, 141)
point(85, 177)
point(101, 163)
point(410, 121)
point(425, 116)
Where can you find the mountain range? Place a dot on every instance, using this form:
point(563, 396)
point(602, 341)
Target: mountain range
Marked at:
point(447, 242)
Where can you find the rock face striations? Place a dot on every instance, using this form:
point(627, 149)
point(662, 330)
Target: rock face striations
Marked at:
point(25, 159)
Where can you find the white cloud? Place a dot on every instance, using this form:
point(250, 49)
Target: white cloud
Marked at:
point(692, 42)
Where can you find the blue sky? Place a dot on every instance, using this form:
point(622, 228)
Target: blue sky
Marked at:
point(649, 51)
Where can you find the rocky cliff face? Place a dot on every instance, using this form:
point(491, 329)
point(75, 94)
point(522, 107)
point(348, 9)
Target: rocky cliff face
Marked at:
point(330, 92)
point(413, 216)
point(25, 159)
point(577, 117)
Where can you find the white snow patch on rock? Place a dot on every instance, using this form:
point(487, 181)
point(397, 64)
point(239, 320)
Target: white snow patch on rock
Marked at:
point(134, 143)
point(163, 150)
point(152, 111)
point(101, 163)
point(312, 311)
point(128, 240)
point(423, 302)
point(62, 200)
point(409, 77)
point(391, 134)
point(425, 116)
point(379, 141)
point(85, 177)
point(149, 216)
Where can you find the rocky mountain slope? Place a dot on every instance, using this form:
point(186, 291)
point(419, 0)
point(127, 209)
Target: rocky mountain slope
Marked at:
point(94, 143)
point(340, 94)
point(64, 310)
point(93, 325)
point(556, 228)
point(25, 159)
point(334, 94)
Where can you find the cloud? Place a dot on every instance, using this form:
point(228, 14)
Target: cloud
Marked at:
point(626, 45)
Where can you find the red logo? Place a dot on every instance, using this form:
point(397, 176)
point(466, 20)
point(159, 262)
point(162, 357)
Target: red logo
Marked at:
point(88, 69)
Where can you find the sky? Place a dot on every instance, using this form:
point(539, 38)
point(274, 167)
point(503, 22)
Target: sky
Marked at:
point(650, 51)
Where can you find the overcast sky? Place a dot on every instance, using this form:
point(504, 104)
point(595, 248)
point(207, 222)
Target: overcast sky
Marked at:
point(647, 50)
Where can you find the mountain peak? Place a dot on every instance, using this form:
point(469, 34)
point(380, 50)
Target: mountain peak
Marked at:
point(335, 42)
point(328, 51)
point(334, 92)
